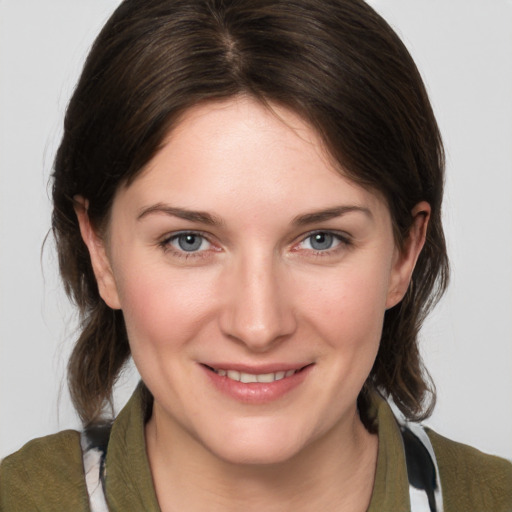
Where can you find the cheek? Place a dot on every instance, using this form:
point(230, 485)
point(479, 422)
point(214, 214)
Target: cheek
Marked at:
point(346, 311)
point(348, 305)
point(163, 309)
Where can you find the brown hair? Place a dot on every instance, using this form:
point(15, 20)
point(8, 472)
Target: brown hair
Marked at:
point(336, 63)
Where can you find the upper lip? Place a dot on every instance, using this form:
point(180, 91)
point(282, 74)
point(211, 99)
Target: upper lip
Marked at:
point(257, 369)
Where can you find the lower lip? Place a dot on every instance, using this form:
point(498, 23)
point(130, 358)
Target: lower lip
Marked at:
point(257, 392)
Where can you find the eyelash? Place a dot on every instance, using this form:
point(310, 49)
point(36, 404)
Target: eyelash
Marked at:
point(166, 245)
point(342, 239)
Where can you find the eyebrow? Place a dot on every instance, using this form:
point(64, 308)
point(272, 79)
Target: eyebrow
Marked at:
point(211, 220)
point(182, 213)
point(329, 213)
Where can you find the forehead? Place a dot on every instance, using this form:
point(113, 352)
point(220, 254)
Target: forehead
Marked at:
point(226, 153)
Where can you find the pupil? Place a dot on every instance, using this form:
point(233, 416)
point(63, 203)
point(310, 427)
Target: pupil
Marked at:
point(321, 241)
point(189, 242)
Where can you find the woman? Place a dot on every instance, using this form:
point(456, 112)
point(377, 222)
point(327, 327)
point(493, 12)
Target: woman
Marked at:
point(247, 201)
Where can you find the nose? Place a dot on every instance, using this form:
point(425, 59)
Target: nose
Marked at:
point(257, 307)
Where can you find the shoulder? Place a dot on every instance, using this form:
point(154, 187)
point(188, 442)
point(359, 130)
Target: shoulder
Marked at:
point(46, 474)
point(472, 480)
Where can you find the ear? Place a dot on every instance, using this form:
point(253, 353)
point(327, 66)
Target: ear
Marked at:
point(97, 251)
point(406, 257)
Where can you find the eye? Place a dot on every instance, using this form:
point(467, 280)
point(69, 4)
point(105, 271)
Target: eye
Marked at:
point(322, 241)
point(189, 242)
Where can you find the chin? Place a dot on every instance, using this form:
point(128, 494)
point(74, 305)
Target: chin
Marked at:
point(263, 443)
point(254, 454)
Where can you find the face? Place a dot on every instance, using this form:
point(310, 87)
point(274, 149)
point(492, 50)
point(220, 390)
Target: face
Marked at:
point(253, 278)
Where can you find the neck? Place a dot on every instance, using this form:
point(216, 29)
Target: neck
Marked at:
point(335, 472)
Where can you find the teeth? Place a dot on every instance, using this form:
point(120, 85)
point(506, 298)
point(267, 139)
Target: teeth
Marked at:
point(266, 377)
point(249, 377)
point(233, 375)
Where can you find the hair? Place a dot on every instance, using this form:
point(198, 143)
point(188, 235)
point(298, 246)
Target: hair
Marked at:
point(336, 63)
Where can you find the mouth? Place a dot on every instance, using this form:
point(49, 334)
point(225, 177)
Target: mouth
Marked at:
point(247, 378)
point(253, 385)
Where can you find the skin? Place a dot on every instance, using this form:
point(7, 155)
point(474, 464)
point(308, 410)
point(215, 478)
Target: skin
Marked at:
point(256, 291)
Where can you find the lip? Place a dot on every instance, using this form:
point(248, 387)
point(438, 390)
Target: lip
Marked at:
point(257, 369)
point(256, 392)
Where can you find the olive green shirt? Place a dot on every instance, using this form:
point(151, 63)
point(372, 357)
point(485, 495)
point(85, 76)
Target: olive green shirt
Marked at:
point(47, 473)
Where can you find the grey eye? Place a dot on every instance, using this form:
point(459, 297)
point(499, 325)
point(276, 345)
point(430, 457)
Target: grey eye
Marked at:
point(189, 242)
point(321, 241)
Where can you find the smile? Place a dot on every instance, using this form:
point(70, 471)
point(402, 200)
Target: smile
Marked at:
point(256, 385)
point(249, 377)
